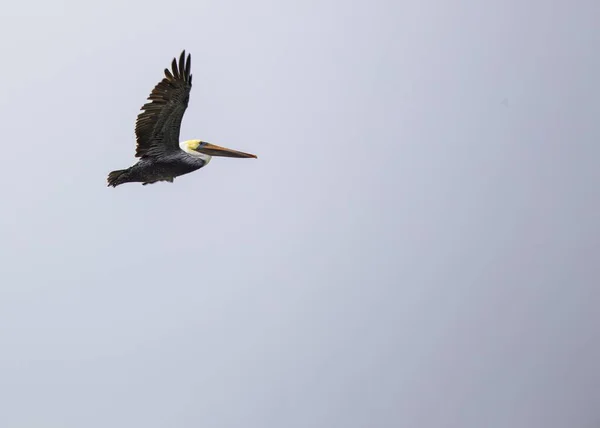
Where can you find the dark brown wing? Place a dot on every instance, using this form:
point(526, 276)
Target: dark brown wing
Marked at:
point(157, 126)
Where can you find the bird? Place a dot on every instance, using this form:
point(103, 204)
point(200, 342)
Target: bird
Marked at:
point(162, 157)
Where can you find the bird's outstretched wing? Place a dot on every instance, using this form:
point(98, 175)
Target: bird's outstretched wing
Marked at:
point(157, 126)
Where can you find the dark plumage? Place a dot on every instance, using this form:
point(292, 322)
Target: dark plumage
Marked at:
point(162, 156)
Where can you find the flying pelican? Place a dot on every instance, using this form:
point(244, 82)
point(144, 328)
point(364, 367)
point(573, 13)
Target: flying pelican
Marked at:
point(162, 156)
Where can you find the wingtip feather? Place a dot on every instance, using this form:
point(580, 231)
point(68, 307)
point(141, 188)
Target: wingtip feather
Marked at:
point(182, 64)
point(174, 68)
point(188, 67)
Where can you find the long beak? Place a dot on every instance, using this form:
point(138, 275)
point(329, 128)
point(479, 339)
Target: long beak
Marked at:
point(214, 150)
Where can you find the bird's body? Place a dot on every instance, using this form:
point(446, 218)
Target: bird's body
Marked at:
point(162, 156)
point(163, 168)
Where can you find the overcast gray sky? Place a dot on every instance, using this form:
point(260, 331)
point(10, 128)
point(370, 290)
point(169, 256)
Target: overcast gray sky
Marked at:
point(407, 251)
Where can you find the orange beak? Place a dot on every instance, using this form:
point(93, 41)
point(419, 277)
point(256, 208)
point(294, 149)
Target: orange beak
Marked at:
point(214, 150)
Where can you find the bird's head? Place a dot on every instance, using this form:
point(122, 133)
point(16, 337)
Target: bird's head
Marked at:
point(202, 149)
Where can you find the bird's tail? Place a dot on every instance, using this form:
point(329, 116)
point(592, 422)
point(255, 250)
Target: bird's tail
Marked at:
point(117, 177)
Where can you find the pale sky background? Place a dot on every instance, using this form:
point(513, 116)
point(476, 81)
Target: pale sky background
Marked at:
point(407, 251)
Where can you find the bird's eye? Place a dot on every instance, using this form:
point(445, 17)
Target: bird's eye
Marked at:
point(202, 143)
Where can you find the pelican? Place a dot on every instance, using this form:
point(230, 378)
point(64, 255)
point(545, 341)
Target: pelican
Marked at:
point(162, 156)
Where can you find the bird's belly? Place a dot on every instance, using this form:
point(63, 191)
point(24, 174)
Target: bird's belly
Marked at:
point(158, 171)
